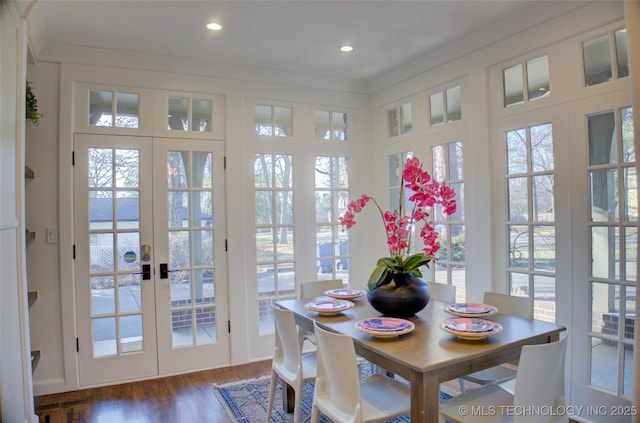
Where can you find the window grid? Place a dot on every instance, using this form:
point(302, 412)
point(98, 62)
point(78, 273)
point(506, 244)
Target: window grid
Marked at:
point(605, 58)
point(273, 121)
point(331, 125)
point(525, 82)
point(530, 231)
point(445, 106)
point(399, 120)
point(332, 196)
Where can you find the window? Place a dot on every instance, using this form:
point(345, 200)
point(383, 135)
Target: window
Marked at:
point(445, 106)
point(330, 125)
point(332, 196)
point(273, 121)
point(102, 109)
point(536, 74)
point(449, 267)
point(531, 217)
point(396, 167)
point(273, 184)
point(597, 56)
point(399, 120)
point(182, 110)
point(614, 249)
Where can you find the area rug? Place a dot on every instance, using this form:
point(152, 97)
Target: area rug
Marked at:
point(246, 402)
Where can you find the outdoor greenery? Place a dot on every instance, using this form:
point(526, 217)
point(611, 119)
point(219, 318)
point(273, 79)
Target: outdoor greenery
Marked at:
point(32, 106)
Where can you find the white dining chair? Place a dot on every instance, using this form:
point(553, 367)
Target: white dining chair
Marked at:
point(342, 396)
point(443, 292)
point(289, 364)
point(314, 289)
point(506, 304)
point(539, 386)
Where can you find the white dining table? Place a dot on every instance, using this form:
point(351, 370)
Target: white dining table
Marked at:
point(428, 355)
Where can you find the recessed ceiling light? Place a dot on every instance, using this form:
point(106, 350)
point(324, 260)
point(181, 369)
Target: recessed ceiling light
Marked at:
point(346, 49)
point(214, 26)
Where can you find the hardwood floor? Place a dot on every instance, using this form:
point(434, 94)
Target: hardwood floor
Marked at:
point(187, 398)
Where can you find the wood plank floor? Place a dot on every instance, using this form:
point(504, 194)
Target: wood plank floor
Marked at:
point(187, 398)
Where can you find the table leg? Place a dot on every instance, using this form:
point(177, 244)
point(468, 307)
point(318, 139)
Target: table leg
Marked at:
point(425, 398)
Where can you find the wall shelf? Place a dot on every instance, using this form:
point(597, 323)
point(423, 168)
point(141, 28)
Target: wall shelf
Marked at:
point(32, 296)
point(35, 357)
point(30, 235)
point(29, 173)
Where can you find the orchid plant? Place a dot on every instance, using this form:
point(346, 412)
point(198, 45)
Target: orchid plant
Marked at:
point(425, 194)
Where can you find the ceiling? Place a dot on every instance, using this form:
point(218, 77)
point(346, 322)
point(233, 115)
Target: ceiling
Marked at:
point(302, 36)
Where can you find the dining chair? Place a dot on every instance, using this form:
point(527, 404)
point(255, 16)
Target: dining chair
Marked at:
point(443, 292)
point(314, 289)
point(289, 364)
point(342, 396)
point(506, 304)
point(539, 386)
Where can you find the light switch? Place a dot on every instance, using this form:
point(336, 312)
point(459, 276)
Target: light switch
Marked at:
point(52, 235)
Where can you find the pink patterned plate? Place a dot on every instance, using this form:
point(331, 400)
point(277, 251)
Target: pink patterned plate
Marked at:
point(385, 327)
point(345, 293)
point(471, 328)
point(328, 306)
point(471, 309)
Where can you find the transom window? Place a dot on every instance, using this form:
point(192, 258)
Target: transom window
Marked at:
point(182, 110)
point(531, 217)
point(273, 121)
point(330, 125)
point(598, 56)
point(526, 81)
point(121, 113)
point(445, 106)
point(399, 120)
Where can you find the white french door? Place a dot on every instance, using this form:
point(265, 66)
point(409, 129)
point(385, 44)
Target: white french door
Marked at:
point(150, 265)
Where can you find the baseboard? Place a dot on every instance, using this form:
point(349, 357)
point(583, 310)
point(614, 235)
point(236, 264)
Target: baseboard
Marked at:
point(50, 386)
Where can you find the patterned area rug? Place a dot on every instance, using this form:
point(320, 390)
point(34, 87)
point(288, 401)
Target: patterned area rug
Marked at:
point(246, 402)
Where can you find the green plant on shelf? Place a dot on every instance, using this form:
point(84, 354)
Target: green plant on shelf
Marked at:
point(32, 106)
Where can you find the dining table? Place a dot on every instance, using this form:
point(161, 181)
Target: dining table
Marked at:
point(428, 355)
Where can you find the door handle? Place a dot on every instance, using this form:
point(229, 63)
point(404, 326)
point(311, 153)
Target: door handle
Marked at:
point(164, 271)
point(146, 272)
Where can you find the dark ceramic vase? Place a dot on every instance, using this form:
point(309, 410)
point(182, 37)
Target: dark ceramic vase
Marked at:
point(403, 296)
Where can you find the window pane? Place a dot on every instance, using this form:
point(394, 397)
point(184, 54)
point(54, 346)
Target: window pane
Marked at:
point(283, 120)
point(131, 333)
point(392, 122)
point(542, 148)
point(201, 110)
point(605, 253)
point(127, 110)
point(602, 139)
point(631, 253)
point(604, 364)
point(519, 283)
point(103, 294)
point(263, 120)
point(436, 105)
point(129, 298)
point(542, 187)
point(629, 311)
point(100, 108)
point(439, 163)
point(406, 118)
point(454, 106)
point(544, 248)
point(627, 388)
point(538, 77)
point(621, 53)
point(517, 151)
point(322, 126)
point(456, 168)
point(597, 60)
point(264, 208)
point(604, 195)
point(544, 294)
point(630, 194)
point(178, 117)
point(339, 126)
point(518, 200)
point(513, 86)
point(518, 247)
point(104, 337)
point(628, 146)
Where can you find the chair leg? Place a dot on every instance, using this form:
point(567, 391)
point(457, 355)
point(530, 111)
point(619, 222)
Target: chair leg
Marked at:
point(315, 414)
point(461, 382)
point(298, 403)
point(272, 394)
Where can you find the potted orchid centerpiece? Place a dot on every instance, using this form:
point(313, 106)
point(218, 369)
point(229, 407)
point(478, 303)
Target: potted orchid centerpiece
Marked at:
point(395, 286)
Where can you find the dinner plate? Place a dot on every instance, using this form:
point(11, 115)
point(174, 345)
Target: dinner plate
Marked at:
point(328, 306)
point(385, 327)
point(345, 293)
point(471, 309)
point(471, 328)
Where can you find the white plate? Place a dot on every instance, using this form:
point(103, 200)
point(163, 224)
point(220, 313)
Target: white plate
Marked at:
point(385, 327)
point(345, 293)
point(471, 309)
point(328, 306)
point(473, 329)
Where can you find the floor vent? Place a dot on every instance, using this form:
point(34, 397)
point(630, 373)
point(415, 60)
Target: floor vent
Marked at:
point(64, 404)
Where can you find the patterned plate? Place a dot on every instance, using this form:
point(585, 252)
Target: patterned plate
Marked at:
point(471, 328)
point(328, 306)
point(385, 327)
point(345, 293)
point(471, 309)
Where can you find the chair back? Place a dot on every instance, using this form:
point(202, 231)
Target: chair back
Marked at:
point(510, 304)
point(540, 381)
point(287, 354)
point(443, 292)
point(338, 379)
point(314, 289)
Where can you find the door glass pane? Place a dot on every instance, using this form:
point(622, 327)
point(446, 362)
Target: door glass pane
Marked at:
point(204, 286)
point(597, 60)
point(517, 151)
point(102, 295)
point(544, 248)
point(126, 168)
point(104, 336)
point(629, 311)
point(205, 325)
point(518, 247)
point(284, 211)
point(436, 107)
point(518, 200)
point(202, 176)
point(604, 364)
point(201, 110)
point(630, 194)
point(182, 328)
point(439, 163)
point(628, 146)
point(602, 141)
point(100, 108)
point(202, 208)
point(631, 253)
point(100, 168)
point(129, 294)
point(128, 209)
point(285, 245)
point(101, 253)
point(538, 77)
point(513, 86)
point(604, 252)
point(180, 288)
point(131, 333)
point(604, 195)
point(177, 163)
point(629, 365)
point(621, 53)
point(544, 297)
point(100, 210)
point(456, 169)
point(542, 198)
point(128, 251)
point(542, 145)
point(454, 105)
point(178, 119)
point(127, 110)
point(202, 248)
point(179, 251)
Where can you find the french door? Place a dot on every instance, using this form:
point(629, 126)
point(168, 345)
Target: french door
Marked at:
point(150, 265)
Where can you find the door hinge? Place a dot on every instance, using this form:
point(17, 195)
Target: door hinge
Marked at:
point(74, 251)
point(73, 158)
point(77, 345)
point(226, 245)
point(224, 163)
point(229, 325)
